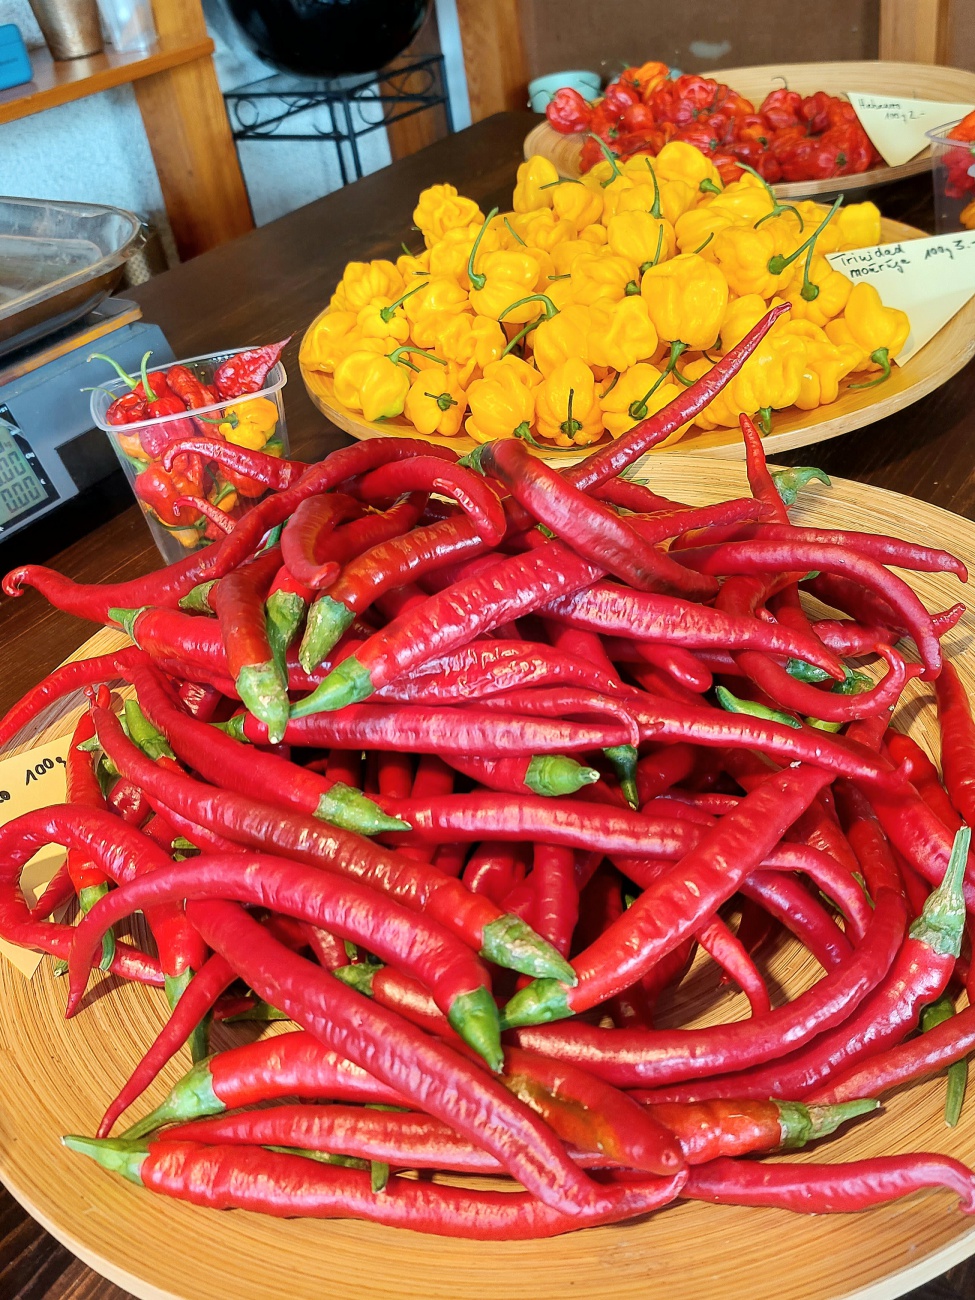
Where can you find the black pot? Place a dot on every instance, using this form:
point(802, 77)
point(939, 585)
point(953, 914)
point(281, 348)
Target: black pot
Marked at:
point(325, 38)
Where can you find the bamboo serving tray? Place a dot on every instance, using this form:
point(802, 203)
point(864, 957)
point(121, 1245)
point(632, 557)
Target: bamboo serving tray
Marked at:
point(911, 80)
point(950, 349)
point(57, 1078)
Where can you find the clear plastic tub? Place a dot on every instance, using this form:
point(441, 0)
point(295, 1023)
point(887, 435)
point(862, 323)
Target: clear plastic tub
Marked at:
point(953, 174)
point(245, 420)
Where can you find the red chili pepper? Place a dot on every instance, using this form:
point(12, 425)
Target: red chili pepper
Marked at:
point(549, 775)
point(306, 531)
point(675, 906)
point(238, 601)
point(829, 1189)
point(910, 758)
point(274, 472)
point(130, 408)
point(591, 529)
point(256, 825)
point(957, 741)
point(192, 392)
point(444, 964)
point(292, 1186)
point(246, 372)
point(61, 682)
point(161, 491)
point(430, 474)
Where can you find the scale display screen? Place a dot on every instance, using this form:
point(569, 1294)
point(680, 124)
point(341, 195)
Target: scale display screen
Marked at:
point(24, 487)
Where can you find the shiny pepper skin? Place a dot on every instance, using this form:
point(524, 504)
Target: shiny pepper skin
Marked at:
point(449, 256)
point(636, 395)
point(696, 230)
point(870, 325)
point(686, 298)
point(440, 296)
point(678, 161)
point(743, 254)
point(833, 291)
point(567, 409)
point(250, 424)
point(641, 238)
point(562, 336)
point(576, 203)
point(595, 276)
point(469, 341)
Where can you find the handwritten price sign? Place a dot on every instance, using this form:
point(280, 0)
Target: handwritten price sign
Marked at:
point(897, 126)
point(931, 279)
point(32, 780)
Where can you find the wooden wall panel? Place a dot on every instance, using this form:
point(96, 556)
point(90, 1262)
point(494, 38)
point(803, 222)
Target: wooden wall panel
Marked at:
point(495, 54)
point(414, 133)
point(697, 34)
point(915, 31)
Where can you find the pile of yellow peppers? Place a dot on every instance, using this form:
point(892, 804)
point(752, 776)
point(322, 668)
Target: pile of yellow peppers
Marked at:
point(587, 306)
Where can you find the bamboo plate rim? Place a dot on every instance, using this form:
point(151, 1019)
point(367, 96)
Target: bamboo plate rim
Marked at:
point(941, 358)
point(57, 1077)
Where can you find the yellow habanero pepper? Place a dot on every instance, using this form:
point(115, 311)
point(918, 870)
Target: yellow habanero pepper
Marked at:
point(826, 364)
point(565, 254)
point(639, 392)
point(641, 237)
point(770, 379)
point(440, 208)
point(533, 175)
point(678, 161)
point(541, 229)
point(567, 409)
point(745, 255)
point(676, 198)
point(832, 290)
point(526, 374)
point(411, 265)
point(601, 275)
point(449, 256)
point(607, 178)
point(501, 405)
point(503, 279)
point(576, 203)
point(251, 423)
point(562, 336)
point(436, 402)
point(696, 230)
point(363, 281)
point(858, 226)
point(742, 315)
point(469, 341)
point(379, 318)
point(747, 199)
point(686, 298)
point(879, 332)
point(334, 335)
point(621, 333)
point(438, 296)
point(374, 383)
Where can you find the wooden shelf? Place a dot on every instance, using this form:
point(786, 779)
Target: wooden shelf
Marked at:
point(60, 83)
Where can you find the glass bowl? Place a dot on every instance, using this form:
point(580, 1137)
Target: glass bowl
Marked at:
point(254, 420)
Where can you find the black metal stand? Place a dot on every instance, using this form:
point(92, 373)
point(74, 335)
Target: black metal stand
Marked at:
point(337, 110)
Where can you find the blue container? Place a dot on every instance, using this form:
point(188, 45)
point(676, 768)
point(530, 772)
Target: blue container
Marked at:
point(15, 67)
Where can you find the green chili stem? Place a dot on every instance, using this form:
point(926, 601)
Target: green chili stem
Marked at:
point(550, 308)
point(477, 280)
point(777, 263)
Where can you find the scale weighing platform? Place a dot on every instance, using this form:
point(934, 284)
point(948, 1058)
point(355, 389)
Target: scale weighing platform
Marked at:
point(59, 476)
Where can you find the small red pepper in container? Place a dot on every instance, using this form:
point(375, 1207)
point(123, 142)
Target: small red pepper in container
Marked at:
point(227, 400)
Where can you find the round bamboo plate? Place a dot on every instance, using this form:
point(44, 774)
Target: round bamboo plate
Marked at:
point(912, 80)
point(56, 1078)
point(952, 348)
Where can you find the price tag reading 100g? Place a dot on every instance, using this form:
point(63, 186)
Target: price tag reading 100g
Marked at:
point(20, 489)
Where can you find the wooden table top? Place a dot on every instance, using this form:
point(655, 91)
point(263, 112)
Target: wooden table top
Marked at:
point(270, 283)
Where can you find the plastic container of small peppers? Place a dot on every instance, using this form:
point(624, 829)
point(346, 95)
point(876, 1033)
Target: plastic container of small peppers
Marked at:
point(253, 420)
point(953, 174)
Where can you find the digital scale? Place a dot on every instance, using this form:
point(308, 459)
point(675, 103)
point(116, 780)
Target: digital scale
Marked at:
point(59, 476)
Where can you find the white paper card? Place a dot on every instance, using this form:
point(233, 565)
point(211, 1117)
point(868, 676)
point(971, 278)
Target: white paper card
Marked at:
point(28, 781)
point(931, 279)
point(897, 126)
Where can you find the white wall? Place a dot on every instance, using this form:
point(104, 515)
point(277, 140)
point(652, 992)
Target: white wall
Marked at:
point(96, 150)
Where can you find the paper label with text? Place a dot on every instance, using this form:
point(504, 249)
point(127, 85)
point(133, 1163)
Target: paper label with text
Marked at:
point(897, 126)
point(931, 279)
point(28, 781)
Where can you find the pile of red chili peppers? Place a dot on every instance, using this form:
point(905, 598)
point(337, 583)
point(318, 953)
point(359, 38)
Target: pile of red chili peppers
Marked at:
point(457, 767)
point(192, 495)
point(788, 137)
